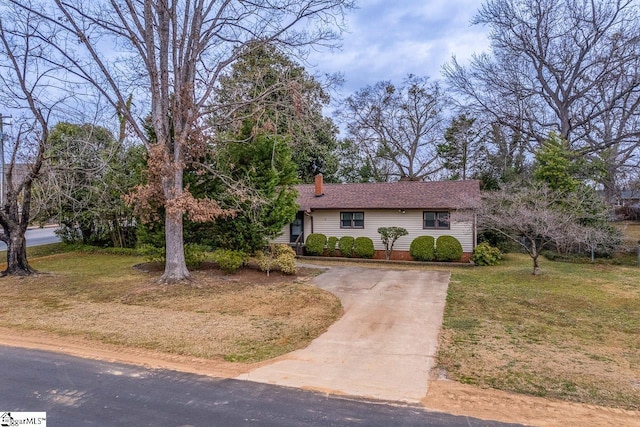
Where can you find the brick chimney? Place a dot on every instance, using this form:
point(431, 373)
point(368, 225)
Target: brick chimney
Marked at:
point(319, 185)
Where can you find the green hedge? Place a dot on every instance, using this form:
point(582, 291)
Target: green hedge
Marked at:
point(485, 254)
point(315, 243)
point(332, 243)
point(448, 248)
point(363, 247)
point(229, 261)
point(194, 255)
point(345, 244)
point(423, 248)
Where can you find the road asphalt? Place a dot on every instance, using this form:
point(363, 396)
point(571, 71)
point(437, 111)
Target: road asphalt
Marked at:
point(38, 236)
point(82, 392)
point(384, 345)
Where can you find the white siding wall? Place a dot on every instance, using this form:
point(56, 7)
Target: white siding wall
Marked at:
point(286, 230)
point(327, 222)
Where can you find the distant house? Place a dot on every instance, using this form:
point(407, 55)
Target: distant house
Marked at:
point(629, 198)
point(19, 171)
point(423, 208)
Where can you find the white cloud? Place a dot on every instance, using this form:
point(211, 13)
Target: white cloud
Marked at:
point(388, 40)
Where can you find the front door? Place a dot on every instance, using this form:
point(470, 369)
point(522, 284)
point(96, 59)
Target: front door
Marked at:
point(297, 228)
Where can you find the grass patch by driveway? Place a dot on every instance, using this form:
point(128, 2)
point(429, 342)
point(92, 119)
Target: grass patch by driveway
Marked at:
point(244, 317)
point(572, 333)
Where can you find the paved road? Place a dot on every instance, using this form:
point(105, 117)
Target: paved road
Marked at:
point(384, 345)
point(37, 236)
point(81, 392)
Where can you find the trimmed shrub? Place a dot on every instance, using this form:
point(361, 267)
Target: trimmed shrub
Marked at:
point(285, 258)
point(194, 254)
point(315, 243)
point(152, 253)
point(280, 256)
point(265, 262)
point(485, 254)
point(363, 247)
point(423, 248)
point(448, 248)
point(389, 235)
point(345, 244)
point(332, 242)
point(229, 261)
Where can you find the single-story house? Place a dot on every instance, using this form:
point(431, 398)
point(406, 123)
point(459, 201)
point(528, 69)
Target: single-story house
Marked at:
point(422, 208)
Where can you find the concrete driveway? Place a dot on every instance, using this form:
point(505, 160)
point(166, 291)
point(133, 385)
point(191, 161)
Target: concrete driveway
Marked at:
point(384, 345)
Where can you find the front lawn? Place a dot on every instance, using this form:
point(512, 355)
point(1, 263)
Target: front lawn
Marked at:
point(241, 317)
point(572, 333)
point(631, 232)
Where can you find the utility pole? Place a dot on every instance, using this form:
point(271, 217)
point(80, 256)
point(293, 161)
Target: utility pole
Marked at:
point(2, 184)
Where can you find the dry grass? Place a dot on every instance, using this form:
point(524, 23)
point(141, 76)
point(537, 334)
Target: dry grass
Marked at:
point(572, 333)
point(631, 231)
point(242, 317)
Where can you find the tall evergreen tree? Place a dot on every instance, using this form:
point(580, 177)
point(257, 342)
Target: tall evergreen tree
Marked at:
point(269, 91)
point(553, 165)
point(262, 196)
point(461, 147)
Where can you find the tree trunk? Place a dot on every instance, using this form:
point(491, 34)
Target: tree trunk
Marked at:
point(609, 180)
point(536, 266)
point(17, 264)
point(175, 269)
point(535, 252)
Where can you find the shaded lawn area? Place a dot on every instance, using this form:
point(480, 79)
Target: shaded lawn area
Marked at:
point(572, 333)
point(244, 317)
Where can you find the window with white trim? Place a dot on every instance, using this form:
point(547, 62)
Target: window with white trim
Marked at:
point(351, 219)
point(435, 219)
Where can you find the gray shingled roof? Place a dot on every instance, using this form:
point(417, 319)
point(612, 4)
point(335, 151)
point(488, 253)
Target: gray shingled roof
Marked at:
point(392, 195)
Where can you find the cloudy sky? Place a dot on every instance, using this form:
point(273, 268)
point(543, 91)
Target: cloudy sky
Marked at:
point(388, 39)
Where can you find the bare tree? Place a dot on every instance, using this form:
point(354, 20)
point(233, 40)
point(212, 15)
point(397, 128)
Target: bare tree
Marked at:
point(25, 88)
point(569, 66)
point(397, 127)
point(167, 56)
point(528, 216)
point(594, 238)
point(537, 217)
